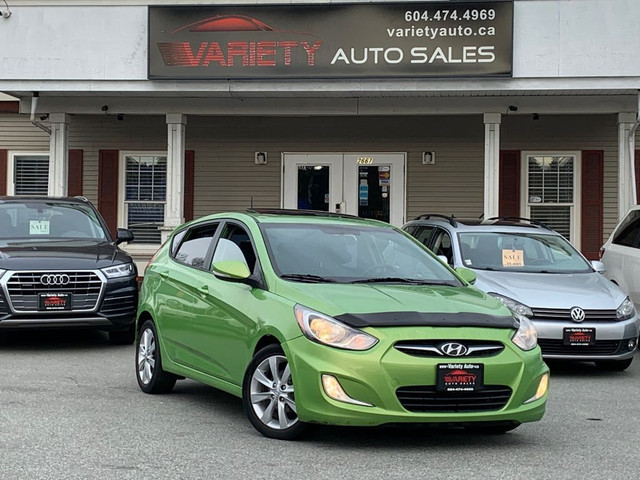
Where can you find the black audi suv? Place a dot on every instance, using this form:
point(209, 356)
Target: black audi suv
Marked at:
point(60, 268)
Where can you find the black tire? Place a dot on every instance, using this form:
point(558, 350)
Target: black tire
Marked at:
point(149, 373)
point(614, 365)
point(123, 337)
point(274, 416)
point(492, 429)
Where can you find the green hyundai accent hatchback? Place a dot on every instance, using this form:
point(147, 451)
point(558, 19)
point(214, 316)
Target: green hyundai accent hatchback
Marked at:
point(318, 318)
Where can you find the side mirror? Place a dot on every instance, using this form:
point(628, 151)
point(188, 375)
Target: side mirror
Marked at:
point(231, 270)
point(123, 235)
point(443, 259)
point(467, 274)
point(598, 266)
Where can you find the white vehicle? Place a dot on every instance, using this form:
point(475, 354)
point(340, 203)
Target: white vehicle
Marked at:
point(621, 255)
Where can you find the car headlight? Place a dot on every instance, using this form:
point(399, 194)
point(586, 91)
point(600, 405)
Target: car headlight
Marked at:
point(511, 304)
point(122, 270)
point(329, 331)
point(625, 311)
point(526, 337)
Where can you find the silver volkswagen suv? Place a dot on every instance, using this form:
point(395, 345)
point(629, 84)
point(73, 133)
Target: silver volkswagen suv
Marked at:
point(535, 271)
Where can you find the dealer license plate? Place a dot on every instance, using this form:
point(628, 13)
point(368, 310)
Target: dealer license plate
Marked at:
point(459, 377)
point(54, 301)
point(579, 336)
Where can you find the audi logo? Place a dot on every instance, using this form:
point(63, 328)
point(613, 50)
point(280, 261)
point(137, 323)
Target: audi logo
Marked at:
point(577, 314)
point(453, 349)
point(55, 279)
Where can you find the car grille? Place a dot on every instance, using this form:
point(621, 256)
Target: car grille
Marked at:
point(565, 314)
point(431, 348)
point(24, 288)
point(427, 399)
point(557, 347)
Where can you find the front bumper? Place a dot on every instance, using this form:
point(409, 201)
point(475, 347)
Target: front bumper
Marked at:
point(612, 339)
point(115, 310)
point(375, 376)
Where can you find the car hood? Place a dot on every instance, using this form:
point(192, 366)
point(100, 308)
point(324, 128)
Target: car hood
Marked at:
point(52, 255)
point(391, 304)
point(553, 290)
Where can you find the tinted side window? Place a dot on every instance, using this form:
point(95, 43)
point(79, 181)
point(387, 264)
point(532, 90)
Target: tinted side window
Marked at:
point(237, 246)
point(410, 229)
point(442, 246)
point(422, 234)
point(193, 249)
point(175, 242)
point(627, 234)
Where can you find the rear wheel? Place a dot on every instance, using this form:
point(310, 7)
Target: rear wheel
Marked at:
point(615, 365)
point(268, 395)
point(151, 377)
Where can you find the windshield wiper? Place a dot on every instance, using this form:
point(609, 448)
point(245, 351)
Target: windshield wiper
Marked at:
point(307, 278)
point(413, 281)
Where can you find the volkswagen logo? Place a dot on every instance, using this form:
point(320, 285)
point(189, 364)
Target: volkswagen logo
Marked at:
point(577, 314)
point(55, 279)
point(453, 349)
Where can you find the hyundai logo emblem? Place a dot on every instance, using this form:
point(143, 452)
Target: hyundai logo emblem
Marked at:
point(453, 349)
point(55, 279)
point(577, 314)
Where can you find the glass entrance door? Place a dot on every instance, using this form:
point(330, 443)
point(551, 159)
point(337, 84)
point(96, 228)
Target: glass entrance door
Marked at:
point(374, 186)
point(312, 181)
point(367, 185)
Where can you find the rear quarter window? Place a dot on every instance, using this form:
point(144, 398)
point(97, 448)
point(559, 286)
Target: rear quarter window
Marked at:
point(628, 231)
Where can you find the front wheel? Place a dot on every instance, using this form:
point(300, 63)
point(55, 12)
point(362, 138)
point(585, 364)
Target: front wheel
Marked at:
point(268, 395)
point(151, 377)
point(615, 365)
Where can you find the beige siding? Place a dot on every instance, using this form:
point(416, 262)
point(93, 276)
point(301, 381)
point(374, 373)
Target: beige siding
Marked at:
point(18, 133)
point(106, 132)
point(595, 132)
point(226, 177)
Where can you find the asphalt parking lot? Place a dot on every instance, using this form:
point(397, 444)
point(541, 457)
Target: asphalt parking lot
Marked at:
point(70, 408)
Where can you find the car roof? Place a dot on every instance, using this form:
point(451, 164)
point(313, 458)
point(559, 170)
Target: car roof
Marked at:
point(41, 199)
point(292, 216)
point(498, 225)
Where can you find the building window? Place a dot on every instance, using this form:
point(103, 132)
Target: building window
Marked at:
point(145, 189)
point(29, 174)
point(551, 191)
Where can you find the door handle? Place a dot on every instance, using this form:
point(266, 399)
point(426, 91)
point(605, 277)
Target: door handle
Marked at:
point(204, 288)
point(164, 274)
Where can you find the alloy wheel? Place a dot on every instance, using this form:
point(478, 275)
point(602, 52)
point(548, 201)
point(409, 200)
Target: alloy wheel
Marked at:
point(146, 356)
point(271, 393)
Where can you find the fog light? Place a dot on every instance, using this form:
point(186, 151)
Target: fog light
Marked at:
point(632, 344)
point(334, 390)
point(543, 387)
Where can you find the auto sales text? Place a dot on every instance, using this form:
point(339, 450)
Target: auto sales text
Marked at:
point(394, 55)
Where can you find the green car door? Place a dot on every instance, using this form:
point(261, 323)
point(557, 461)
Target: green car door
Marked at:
point(176, 278)
point(222, 331)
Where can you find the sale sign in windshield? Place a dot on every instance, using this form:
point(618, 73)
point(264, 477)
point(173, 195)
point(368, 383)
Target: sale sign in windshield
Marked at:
point(332, 41)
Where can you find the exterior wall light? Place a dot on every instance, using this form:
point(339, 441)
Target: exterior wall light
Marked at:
point(428, 158)
point(261, 158)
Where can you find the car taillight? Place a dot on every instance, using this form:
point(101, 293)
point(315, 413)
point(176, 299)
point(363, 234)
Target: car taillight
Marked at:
point(601, 252)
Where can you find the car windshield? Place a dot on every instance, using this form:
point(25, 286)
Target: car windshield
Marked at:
point(351, 254)
point(49, 221)
point(521, 252)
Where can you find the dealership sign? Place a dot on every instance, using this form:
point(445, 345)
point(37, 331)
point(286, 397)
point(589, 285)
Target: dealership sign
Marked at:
point(426, 39)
